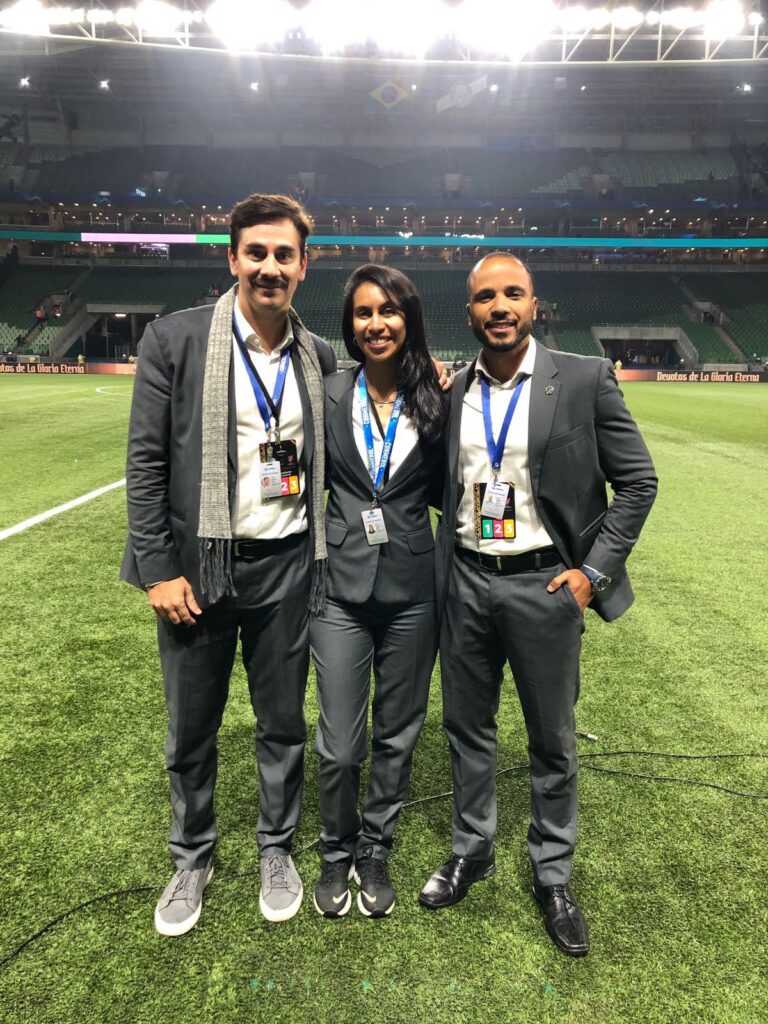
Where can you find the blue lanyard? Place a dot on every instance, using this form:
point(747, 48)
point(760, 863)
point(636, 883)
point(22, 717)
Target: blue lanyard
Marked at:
point(377, 476)
point(269, 405)
point(496, 448)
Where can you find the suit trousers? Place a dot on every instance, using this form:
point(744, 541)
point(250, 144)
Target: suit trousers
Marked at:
point(490, 619)
point(400, 642)
point(270, 616)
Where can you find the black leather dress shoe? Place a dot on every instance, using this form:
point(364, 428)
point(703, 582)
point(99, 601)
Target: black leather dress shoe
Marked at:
point(563, 918)
point(450, 882)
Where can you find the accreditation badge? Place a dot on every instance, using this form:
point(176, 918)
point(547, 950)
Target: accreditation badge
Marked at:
point(489, 525)
point(283, 481)
point(373, 525)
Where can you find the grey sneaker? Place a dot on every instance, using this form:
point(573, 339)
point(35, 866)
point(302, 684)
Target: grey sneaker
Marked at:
point(281, 889)
point(178, 909)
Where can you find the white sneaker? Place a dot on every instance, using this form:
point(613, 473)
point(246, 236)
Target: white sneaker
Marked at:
point(178, 909)
point(281, 889)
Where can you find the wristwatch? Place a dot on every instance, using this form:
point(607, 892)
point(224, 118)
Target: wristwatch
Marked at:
point(599, 581)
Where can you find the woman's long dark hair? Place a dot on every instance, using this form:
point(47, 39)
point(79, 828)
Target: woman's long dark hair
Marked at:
point(424, 402)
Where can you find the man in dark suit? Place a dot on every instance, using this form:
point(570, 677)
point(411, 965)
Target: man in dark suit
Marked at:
point(527, 542)
point(225, 507)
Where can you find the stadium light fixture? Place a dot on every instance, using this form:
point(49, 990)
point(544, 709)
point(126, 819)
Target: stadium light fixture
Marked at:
point(104, 84)
point(755, 19)
point(254, 86)
point(24, 83)
point(99, 16)
point(27, 17)
point(251, 26)
point(158, 18)
point(746, 87)
point(723, 19)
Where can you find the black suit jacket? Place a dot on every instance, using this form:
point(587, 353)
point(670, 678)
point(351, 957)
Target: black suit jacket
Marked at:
point(401, 571)
point(580, 437)
point(165, 447)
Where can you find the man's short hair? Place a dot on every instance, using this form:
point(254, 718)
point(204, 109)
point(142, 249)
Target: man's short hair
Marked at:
point(506, 256)
point(267, 209)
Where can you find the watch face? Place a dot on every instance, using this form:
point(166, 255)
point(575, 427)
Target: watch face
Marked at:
point(600, 584)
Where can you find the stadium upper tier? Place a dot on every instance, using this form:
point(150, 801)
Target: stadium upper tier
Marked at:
point(198, 175)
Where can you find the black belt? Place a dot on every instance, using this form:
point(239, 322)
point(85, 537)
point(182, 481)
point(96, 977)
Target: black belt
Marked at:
point(250, 550)
point(508, 565)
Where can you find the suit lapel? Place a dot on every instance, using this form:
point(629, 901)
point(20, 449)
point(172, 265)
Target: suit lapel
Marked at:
point(460, 387)
point(543, 403)
point(339, 427)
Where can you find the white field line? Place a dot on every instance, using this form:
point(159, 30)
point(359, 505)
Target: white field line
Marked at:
point(105, 390)
point(41, 518)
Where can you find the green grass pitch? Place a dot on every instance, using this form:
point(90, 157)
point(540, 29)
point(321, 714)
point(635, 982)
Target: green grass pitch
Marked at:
point(672, 877)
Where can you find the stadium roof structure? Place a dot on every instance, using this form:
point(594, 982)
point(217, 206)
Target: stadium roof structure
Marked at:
point(452, 32)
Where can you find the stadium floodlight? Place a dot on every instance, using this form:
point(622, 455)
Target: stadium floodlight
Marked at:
point(573, 20)
point(755, 19)
point(103, 84)
point(336, 25)
point(511, 27)
point(27, 17)
point(244, 27)
point(24, 83)
point(723, 19)
point(65, 15)
point(125, 16)
point(682, 18)
point(626, 17)
point(254, 86)
point(100, 16)
point(158, 18)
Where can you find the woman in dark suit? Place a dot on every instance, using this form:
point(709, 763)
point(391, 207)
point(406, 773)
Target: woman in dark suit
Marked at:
point(384, 451)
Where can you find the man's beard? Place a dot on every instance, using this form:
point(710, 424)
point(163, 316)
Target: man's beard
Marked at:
point(524, 328)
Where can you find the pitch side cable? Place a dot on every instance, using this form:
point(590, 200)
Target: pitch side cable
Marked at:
point(132, 890)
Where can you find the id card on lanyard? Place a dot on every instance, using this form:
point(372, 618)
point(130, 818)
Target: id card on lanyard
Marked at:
point(373, 518)
point(495, 500)
point(278, 458)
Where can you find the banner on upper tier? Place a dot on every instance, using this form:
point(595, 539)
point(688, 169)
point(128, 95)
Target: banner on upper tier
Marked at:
point(695, 376)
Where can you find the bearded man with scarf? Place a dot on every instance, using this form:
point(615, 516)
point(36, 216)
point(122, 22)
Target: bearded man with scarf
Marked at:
point(226, 534)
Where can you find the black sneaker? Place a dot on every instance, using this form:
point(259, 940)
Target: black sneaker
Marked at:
point(377, 894)
point(332, 895)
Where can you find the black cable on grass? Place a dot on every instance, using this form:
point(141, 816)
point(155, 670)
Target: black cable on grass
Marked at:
point(430, 799)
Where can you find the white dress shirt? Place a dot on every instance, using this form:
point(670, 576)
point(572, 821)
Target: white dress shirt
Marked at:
point(475, 462)
point(406, 437)
point(253, 517)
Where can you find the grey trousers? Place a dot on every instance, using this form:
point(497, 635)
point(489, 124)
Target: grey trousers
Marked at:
point(490, 619)
point(400, 642)
point(271, 618)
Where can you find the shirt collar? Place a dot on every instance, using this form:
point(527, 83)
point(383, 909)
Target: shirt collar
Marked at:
point(524, 370)
point(252, 339)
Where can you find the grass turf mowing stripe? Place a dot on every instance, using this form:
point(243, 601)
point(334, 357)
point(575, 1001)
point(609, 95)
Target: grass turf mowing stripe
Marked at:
point(75, 503)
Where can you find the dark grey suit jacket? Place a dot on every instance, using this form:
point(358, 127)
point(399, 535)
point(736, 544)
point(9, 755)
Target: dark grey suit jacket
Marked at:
point(165, 447)
point(401, 571)
point(580, 437)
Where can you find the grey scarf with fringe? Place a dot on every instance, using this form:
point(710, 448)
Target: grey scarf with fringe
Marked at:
point(215, 528)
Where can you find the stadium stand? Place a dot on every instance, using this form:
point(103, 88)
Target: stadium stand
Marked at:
point(743, 298)
point(22, 292)
point(674, 172)
point(195, 174)
point(170, 288)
